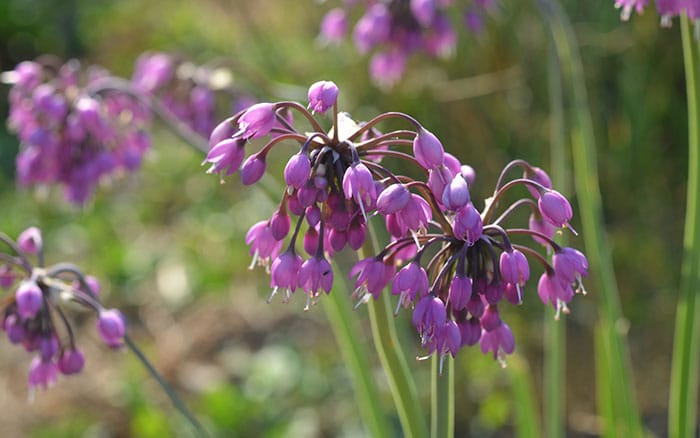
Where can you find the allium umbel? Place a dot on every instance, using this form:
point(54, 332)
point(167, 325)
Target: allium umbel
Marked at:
point(447, 261)
point(36, 316)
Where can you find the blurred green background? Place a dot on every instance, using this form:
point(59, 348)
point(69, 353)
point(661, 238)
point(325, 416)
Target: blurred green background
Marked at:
point(168, 242)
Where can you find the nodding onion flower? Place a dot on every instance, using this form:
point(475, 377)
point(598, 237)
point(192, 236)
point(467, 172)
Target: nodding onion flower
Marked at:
point(34, 315)
point(447, 261)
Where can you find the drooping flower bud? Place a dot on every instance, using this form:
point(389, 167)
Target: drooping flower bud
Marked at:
point(29, 299)
point(427, 149)
point(29, 241)
point(112, 327)
point(555, 208)
point(322, 96)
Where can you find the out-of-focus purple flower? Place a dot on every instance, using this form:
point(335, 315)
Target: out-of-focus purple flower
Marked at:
point(111, 326)
point(42, 374)
point(30, 241)
point(334, 26)
point(628, 6)
point(29, 299)
point(387, 67)
point(373, 28)
point(71, 362)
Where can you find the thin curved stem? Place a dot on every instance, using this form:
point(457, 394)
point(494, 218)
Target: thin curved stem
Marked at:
point(169, 391)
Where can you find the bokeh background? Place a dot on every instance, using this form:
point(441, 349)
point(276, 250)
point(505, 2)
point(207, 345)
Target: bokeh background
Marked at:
point(168, 245)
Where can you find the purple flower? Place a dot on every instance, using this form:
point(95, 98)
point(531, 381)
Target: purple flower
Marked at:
point(499, 341)
point(373, 28)
point(263, 245)
point(29, 299)
point(423, 11)
point(387, 67)
point(226, 156)
point(552, 290)
point(373, 275)
point(315, 274)
point(427, 149)
point(470, 331)
point(42, 374)
point(284, 273)
point(257, 121)
point(71, 362)
point(468, 225)
point(112, 327)
point(570, 264)
point(280, 224)
point(322, 96)
point(514, 269)
point(456, 194)
point(538, 224)
point(334, 25)
point(460, 291)
point(555, 208)
point(358, 184)
point(253, 169)
point(539, 176)
point(30, 241)
point(392, 199)
point(297, 170)
point(409, 283)
point(428, 317)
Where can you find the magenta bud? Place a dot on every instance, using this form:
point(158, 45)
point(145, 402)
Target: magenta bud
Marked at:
point(356, 235)
point(490, 319)
point(15, 329)
point(392, 199)
point(280, 224)
point(427, 149)
point(30, 241)
point(456, 194)
point(423, 11)
point(311, 241)
point(555, 208)
point(514, 267)
point(313, 215)
point(460, 292)
point(71, 362)
point(112, 327)
point(322, 96)
point(338, 239)
point(297, 170)
point(29, 299)
point(253, 169)
point(48, 346)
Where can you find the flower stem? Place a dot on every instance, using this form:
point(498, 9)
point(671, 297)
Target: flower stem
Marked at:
point(684, 368)
point(442, 398)
point(392, 357)
point(626, 420)
point(355, 356)
point(169, 391)
point(555, 330)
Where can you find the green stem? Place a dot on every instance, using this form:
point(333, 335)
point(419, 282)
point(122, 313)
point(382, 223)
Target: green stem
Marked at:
point(392, 357)
point(442, 397)
point(527, 423)
point(355, 356)
point(555, 330)
point(684, 369)
point(611, 320)
point(169, 391)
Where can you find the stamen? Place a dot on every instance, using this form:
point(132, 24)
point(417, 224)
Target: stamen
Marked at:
point(272, 294)
point(308, 303)
point(255, 259)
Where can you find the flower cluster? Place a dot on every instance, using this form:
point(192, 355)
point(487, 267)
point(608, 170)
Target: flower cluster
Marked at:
point(456, 263)
point(667, 9)
point(187, 90)
point(72, 131)
point(34, 316)
point(398, 28)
